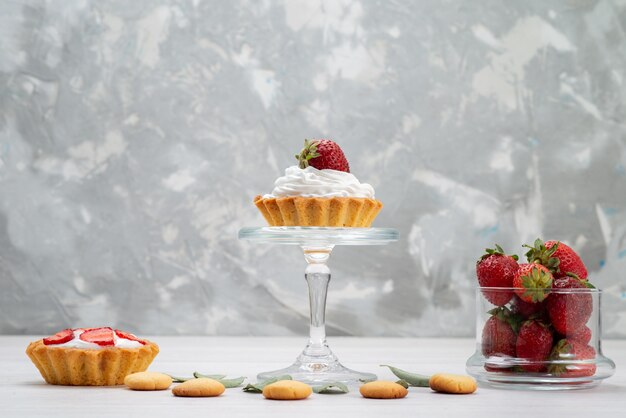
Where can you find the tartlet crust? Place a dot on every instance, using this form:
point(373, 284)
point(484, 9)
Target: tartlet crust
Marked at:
point(319, 211)
point(80, 367)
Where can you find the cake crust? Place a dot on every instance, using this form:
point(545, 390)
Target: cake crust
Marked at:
point(319, 211)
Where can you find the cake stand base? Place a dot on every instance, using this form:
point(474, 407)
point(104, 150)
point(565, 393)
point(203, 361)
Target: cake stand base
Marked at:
point(316, 373)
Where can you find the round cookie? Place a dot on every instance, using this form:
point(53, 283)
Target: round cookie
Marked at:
point(148, 381)
point(452, 383)
point(382, 389)
point(287, 390)
point(201, 387)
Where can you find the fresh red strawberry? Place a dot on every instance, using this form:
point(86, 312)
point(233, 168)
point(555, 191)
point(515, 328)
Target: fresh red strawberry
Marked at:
point(323, 154)
point(100, 336)
point(581, 335)
point(534, 342)
point(60, 337)
point(532, 282)
point(498, 336)
point(569, 310)
point(496, 269)
point(527, 309)
point(558, 257)
point(567, 349)
point(128, 336)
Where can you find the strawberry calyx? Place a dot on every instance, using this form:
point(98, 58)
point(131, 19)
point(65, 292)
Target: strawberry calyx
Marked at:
point(496, 251)
point(535, 283)
point(538, 320)
point(60, 337)
point(562, 350)
point(587, 284)
point(504, 314)
point(584, 282)
point(308, 152)
point(538, 253)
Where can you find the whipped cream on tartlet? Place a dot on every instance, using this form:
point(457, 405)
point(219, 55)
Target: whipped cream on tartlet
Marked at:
point(311, 182)
point(76, 342)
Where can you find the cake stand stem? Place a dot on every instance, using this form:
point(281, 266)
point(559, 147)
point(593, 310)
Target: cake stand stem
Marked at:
point(317, 364)
point(317, 275)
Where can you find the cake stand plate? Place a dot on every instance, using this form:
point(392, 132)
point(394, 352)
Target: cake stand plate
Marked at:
point(317, 364)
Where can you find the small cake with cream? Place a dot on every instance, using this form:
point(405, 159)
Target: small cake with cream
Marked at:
point(319, 191)
point(91, 356)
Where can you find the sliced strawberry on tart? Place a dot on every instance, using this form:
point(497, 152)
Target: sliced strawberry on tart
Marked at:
point(60, 337)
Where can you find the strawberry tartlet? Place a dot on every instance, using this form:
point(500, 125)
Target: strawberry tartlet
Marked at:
point(319, 191)
point(91, 356)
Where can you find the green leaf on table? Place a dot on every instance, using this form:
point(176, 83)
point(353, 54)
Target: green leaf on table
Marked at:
point(403, 383)
point(366, 380)
point(209, 376)
point(258, 386)
point(176, 379)
point(228, 383)
point(331, 388)
point(232, 383)
point(413, 379)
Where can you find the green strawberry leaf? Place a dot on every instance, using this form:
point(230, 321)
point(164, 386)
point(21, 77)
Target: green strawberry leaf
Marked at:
point(403, 383)
point(209, 376)
point(413, 379)
point(496, 251)
point(331, 388)
point(504, 314)
point(232, 383)
point(176, 379)
point(538, 253)
point(258, 387)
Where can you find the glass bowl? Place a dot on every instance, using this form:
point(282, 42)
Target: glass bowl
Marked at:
point(547, 345)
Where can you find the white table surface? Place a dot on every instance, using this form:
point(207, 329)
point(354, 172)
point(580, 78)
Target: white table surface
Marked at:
point(24, 393)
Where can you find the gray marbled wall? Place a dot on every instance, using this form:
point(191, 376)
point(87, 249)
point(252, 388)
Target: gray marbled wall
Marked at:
point(134, 135)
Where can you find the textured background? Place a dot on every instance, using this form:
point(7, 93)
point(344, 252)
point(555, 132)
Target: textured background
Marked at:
point(134, 135)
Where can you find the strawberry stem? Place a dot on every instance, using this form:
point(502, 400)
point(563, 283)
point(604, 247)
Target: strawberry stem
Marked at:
point(496, 251)
point(538, 253)
point(307, 153)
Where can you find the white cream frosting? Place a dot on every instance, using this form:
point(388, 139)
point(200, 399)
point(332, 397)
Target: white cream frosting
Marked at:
point(311, 182)
point(78, 343)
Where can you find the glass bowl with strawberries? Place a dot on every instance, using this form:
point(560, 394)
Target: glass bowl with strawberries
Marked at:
point(538, 323)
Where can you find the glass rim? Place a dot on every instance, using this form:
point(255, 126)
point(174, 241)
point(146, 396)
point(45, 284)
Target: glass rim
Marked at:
point(547, 289)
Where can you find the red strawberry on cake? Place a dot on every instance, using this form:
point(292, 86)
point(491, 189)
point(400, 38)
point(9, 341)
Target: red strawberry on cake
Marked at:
point(323, 154)
point(128, 336)
point(60, 337)
point(100, 336)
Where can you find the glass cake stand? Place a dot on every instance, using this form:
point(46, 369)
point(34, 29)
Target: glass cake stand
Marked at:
point(317, 364)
